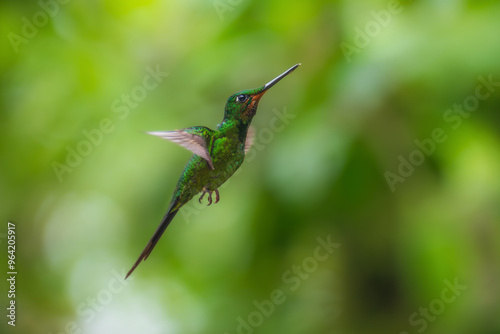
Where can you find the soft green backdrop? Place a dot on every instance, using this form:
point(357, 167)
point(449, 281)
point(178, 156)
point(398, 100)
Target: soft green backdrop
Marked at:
point(377, 79)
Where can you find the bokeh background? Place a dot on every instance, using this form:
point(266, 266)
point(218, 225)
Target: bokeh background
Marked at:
point(377, 77)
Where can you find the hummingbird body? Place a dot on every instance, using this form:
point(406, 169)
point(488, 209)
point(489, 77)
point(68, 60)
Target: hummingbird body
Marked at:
point(217, 154)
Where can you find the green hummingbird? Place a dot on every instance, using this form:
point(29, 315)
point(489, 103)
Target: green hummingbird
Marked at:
point(217, 154)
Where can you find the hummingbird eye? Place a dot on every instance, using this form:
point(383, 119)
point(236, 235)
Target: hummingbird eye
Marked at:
point(241, 98)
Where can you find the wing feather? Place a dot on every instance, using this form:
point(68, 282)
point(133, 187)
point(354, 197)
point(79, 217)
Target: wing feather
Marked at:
point(250, 139)
point(193, 142)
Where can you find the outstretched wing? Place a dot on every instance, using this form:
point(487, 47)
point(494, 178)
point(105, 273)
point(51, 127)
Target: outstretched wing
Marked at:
point(194, 139)
point(250, 138)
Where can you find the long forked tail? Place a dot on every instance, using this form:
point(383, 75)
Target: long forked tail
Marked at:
point(152, 243)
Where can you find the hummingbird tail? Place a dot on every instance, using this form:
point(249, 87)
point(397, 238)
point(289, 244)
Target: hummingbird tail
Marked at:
point(152, 243)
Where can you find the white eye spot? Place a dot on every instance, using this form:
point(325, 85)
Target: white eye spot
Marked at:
point(241, 98)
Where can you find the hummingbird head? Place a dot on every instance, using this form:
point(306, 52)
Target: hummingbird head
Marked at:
point(243, 105)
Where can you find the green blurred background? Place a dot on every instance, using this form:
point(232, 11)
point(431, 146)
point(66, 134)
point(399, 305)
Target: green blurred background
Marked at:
point(376, 79)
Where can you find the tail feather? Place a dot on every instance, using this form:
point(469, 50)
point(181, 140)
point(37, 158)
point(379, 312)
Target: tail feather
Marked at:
point(152, 243)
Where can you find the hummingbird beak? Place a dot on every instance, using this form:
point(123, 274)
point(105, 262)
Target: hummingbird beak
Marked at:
point(276, 80)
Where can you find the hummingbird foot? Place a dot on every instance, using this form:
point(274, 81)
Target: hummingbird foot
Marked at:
point(205, 190)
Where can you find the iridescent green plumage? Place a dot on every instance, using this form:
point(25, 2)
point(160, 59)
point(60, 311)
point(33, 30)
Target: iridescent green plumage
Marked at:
point(217, 154)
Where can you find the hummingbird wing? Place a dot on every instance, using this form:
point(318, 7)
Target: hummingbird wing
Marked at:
point(194, 139)
point(250, 138)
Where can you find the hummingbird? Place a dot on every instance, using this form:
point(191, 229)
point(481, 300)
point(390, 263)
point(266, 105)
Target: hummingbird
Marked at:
point(217, 154)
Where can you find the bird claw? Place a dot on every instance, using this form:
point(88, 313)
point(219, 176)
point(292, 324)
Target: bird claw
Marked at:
point(201, 197)
point(205, 190)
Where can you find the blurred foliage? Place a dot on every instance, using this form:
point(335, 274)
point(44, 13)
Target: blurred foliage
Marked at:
point(320, 172)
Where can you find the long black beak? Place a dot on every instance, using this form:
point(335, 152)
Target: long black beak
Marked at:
point(279, 77)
